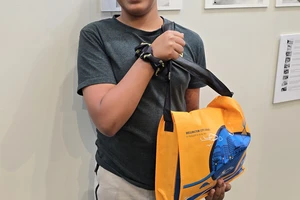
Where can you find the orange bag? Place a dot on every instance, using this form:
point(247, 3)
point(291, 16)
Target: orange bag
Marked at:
point(195, 149)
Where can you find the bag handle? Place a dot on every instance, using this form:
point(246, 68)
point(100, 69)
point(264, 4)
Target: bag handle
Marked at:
point(195, 70)
point(205, 75)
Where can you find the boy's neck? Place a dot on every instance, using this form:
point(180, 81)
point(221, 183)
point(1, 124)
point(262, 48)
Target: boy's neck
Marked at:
point(149, 22)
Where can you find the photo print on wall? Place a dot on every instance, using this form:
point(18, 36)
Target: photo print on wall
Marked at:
point(213, 4)
point(287, 83)
point(287, 3)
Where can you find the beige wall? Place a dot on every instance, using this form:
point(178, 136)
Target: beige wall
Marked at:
point(47, 140)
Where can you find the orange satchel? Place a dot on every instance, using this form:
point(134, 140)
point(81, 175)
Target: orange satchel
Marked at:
point(195, 149)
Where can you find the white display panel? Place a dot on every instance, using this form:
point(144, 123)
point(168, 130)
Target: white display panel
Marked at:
point(287, 85)
point(212, 4)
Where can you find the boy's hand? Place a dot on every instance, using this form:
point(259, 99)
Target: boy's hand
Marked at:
point(219, 192)
point(168, 45)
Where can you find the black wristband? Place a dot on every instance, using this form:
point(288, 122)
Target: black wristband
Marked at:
point(145, 52)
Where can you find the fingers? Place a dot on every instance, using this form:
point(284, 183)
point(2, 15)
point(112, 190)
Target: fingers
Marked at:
point(176, 33)
point(169, 45)
point(178, 44)
point(178, 50)
point(220, 190)
point(177, 37)
point(228, 187)
point(210, 195)
point(179, 41)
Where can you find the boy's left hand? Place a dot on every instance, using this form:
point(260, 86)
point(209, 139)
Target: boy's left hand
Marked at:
point(218, 193)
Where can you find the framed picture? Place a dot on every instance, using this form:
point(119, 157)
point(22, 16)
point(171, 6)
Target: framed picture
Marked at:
point(287, 82)
point(112, 5)
point(287, 3)
point(211, 4)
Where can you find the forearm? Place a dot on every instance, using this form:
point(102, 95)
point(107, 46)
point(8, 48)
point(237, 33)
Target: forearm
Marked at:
point(119, 103)
point(192, 97)
point(110, 106)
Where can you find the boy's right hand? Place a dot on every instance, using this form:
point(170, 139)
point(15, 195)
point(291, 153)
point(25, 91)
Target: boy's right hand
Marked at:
point(169, 45)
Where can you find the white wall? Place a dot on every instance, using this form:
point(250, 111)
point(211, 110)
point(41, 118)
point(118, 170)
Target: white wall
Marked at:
point(47, 140)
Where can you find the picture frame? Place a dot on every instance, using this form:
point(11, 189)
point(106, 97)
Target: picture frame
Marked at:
point(287, 81)
point(113, 6)
point(221, 4)
point(287, 3)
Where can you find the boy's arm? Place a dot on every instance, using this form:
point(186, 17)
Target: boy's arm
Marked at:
point(192, 99)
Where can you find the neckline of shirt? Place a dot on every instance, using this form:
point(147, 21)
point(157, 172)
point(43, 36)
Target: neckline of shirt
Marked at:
point(142, 32)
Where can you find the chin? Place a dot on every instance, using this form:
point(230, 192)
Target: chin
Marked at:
point(138, 9)
point(137, 12)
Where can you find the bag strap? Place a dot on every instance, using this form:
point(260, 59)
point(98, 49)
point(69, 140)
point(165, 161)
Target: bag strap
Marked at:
point(204, 74)
point(195, 70)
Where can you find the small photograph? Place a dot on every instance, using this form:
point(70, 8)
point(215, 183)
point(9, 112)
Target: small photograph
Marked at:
point(287, 59)
point(290, 42)
point(289, 47)
point(163, 2)
point(235, 3)
point(284, 83)
point(287, 3)
point(288, 53)
point(232, 2)
point(284, 89)
point(286, 66)
point(286, 71)
point(285, 77)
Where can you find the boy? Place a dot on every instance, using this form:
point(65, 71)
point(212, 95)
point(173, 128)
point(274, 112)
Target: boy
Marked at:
point(125, 99)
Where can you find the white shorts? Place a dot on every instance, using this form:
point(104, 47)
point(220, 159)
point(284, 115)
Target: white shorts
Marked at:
point(112, 187)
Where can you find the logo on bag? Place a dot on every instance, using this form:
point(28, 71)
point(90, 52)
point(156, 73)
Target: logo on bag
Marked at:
point(211, 137)
point(198, 132)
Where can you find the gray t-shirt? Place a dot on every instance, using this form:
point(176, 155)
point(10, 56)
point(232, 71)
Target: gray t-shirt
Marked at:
point(106, 53)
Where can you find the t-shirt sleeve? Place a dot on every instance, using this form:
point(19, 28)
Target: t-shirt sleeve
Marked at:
point(199, 55)
point(93, 64)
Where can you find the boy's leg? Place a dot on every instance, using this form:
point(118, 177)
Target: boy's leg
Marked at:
point(113, 187)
